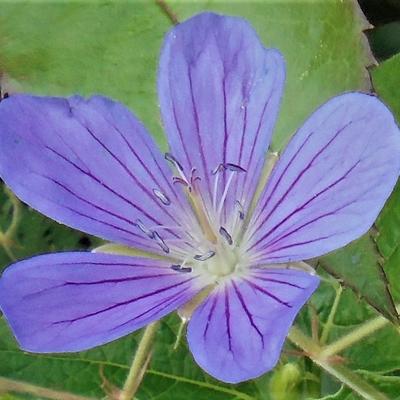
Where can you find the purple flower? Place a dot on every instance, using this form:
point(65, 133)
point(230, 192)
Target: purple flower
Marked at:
point(91, 164)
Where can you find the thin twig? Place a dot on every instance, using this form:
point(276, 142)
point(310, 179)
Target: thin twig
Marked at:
point(10, 385)
point(168, 11)
point(330, 321)
point(140, 362)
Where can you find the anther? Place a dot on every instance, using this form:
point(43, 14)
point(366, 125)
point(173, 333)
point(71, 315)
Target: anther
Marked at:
point(225, 234)
point(162, 197)
point(218, 168)
point(205, 256)
point(179, 268)
point(240, 209)
point(234, 167)
point(169, 157)
point(161, 242)
point(176, 179)
point(146, 231)
point(194, 177)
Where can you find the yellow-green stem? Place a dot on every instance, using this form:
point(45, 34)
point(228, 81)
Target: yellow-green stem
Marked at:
point(354, 336)
point(331, 317)
point(12, 386)
point(16, 214)
point(340, 372)
point(139, 363)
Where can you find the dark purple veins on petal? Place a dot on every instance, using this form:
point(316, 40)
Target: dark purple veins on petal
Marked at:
point(124, 303)
point(268, 293)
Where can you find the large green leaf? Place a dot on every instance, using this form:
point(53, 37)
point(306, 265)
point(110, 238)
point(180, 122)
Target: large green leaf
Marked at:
point(359, 267)
point(105, 47)
point(386, 80)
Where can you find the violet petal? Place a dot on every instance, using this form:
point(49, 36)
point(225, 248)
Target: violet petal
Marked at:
point(67, 302)
point(88, 163)
point(238, 332)
point(219, 91)
point(330, 183)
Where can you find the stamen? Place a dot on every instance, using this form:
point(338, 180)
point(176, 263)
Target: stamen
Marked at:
point(222, 201)
point(234, 167)
point(205, 256)
point(180, 268)
point(239, 209)
point(161, 242)
point(216, 172)
point(162, 197)
point(168, 227)
point(225, 234)
point(177, 179)
point(169, 157)
point(194, 178)
point(218, 168)
point(149, 233)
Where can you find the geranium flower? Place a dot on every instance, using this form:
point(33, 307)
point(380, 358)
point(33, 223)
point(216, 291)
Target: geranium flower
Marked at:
point(90, 164)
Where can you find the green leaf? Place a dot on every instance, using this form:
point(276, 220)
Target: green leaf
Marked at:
point(60, 48)
point(386, 80)
point(358, 267)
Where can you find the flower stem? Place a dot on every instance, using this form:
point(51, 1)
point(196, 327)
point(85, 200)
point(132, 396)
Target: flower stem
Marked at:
point(6, 237)
point(168, 11)
point(354, 336)
point(340, 372)
point(16, 214)
point(12, 386)
point(331, 317)
point(139, 363)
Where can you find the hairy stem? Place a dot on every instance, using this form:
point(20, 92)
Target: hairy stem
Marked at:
point(10, 385)
point(340, 372)
point(140, 362)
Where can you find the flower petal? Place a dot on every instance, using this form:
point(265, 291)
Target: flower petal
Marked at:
point(87, 163)
point(238, 332)
point(219, 91)
point(330, 183)
point(74, 301)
